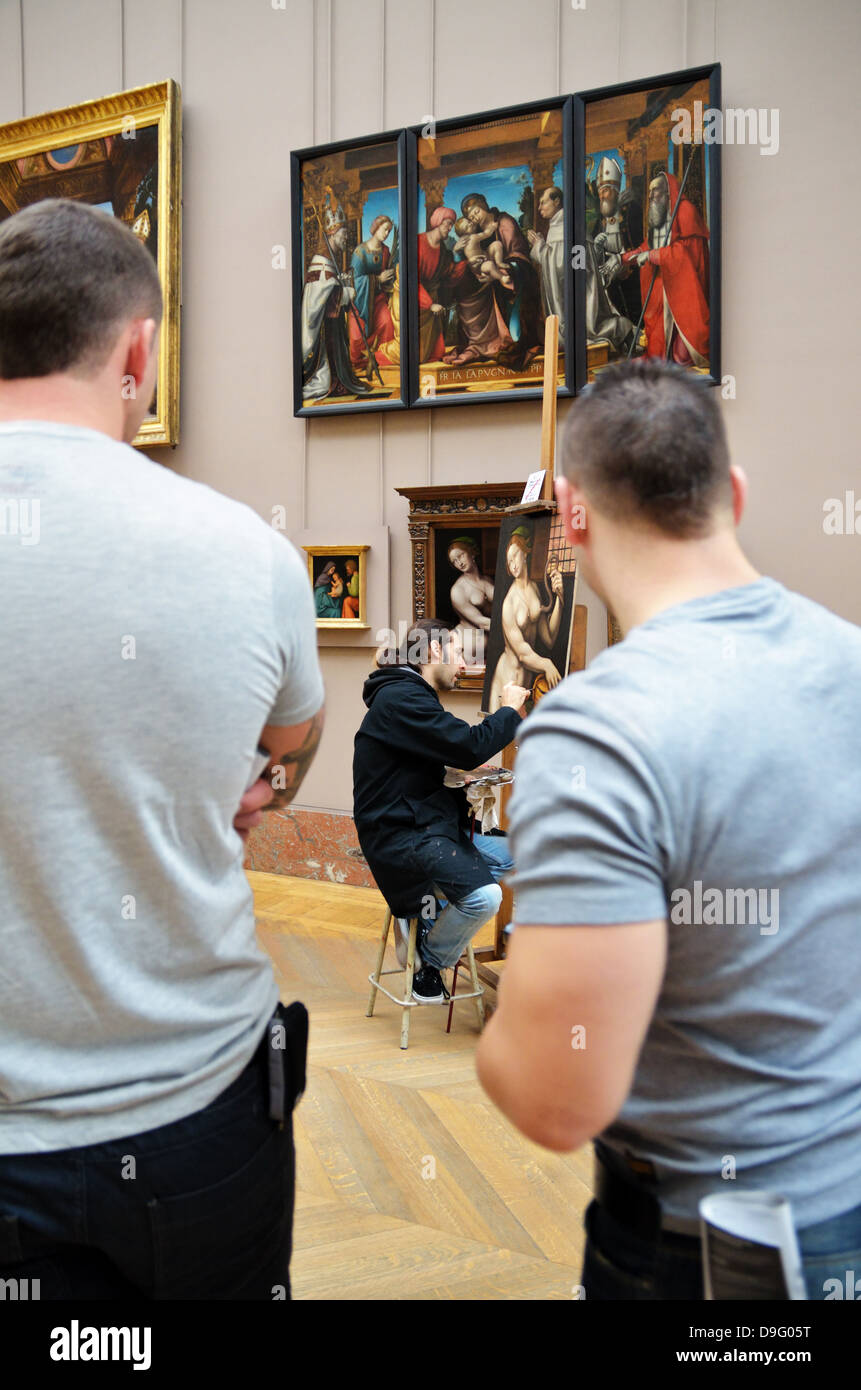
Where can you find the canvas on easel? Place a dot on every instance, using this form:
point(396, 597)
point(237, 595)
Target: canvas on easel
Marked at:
point(532, 619)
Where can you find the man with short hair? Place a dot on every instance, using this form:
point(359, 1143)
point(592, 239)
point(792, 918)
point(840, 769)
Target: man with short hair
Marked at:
point(413, 830)
point(683, 983)
point(152, 639)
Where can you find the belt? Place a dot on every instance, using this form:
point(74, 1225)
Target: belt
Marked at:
point(625, 1189)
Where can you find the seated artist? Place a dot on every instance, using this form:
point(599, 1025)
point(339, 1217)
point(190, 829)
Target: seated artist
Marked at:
point(413, 830)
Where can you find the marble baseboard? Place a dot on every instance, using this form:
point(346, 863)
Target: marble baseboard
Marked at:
point(308, 844)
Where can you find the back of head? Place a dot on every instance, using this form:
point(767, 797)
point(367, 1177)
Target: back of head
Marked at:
point(646, 444)
point(70, 277)
point(415, 650)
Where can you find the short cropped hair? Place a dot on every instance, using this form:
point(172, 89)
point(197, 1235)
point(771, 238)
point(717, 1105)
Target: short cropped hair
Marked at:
point(645, 441)
point(70, 276)
point(414, 651)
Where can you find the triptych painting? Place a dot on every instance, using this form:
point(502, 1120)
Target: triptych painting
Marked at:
point(426, 261)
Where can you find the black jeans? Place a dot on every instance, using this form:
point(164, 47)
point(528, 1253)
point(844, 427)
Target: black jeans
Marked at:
point(198, 1209)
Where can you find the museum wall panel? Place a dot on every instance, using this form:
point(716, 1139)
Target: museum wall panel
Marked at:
point(258, 81)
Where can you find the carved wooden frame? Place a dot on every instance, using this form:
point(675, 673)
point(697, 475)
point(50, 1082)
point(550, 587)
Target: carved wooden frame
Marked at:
point(466, 505)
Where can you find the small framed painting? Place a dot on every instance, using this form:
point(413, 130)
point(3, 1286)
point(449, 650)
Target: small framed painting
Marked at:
point(122, 154)
point(348, 219)
point(491, 207)
point(338, 579)
point(647, 223)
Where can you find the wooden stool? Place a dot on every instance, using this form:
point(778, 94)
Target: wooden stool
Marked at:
point(407, 1002)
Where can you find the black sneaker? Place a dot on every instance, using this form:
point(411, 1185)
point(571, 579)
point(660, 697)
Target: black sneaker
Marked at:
point(428, 987)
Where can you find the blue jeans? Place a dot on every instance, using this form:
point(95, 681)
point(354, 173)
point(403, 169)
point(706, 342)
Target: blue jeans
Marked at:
point(619, 1265)
point(204, 1212)
point(458, 922)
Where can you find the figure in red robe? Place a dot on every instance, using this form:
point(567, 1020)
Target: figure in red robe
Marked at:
point(439, 277)
point(677, 317)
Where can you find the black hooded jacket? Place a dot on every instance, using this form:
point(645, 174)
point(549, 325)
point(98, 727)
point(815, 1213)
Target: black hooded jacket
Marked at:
point(402, 748)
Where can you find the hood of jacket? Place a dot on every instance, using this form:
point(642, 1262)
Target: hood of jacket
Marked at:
point(379, 680)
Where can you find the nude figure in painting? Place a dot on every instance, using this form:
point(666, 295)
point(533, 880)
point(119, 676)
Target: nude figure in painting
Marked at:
point(525, 619)
point(471, 598)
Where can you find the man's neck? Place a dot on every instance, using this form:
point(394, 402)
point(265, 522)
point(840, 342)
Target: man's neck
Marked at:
point(650, 575)
point(60, 399)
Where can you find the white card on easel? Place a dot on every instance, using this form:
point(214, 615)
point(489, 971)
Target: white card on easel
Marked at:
point(534, 483)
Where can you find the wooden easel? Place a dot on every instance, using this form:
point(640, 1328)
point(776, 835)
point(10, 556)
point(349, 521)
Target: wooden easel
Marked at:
point(489, 970)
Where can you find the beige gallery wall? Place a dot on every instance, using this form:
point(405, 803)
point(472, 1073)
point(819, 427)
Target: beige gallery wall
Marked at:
point(260, 78)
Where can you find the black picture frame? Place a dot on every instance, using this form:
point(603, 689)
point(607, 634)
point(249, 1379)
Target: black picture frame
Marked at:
point(321, 152)
point(682, 80)
point(416, 398)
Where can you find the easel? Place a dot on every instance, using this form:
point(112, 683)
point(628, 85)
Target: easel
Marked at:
point(489, 970)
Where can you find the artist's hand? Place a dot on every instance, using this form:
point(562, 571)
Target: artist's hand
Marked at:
point(514, 697)
point(250, 812)
point(551, 675)
point(437, 308)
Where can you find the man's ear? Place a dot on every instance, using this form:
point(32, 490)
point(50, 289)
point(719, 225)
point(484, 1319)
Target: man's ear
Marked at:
point(738, 478)
point(142, 343)
point(572, 507)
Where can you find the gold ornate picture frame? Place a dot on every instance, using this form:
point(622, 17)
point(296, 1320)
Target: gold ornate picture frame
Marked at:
point(338, 576)
point(121, 153)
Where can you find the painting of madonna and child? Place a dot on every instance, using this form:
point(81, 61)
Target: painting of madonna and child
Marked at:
point(337, 575)
point(532, 616)
point(650, 249)
point(347, 278)
point(491, 259)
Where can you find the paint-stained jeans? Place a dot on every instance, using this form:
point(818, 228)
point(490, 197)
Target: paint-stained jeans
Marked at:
point(463, 915)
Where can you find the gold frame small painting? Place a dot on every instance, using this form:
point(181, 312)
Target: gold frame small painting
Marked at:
point(335, 585)
point(121, 153)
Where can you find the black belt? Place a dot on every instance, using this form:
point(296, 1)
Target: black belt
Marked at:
point(625, 1188)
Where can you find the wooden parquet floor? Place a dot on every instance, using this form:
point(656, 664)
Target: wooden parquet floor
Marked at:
point(410, 1184)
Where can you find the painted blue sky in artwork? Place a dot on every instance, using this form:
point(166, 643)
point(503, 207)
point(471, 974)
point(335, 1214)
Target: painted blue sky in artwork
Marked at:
point(106, 207)
point(501, 187)
point(66, 154)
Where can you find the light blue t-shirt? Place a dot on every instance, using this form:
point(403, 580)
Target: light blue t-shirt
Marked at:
point(150, 629)
point(708, 770)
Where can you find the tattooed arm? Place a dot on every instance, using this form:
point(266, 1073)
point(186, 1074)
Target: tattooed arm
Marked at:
point(292, 748)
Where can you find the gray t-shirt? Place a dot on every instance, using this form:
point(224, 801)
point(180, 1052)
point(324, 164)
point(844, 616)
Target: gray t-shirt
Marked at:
point(151, 628)
point(708, 770)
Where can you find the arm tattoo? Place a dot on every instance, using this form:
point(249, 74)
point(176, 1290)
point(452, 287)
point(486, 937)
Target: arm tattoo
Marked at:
point(291, 767)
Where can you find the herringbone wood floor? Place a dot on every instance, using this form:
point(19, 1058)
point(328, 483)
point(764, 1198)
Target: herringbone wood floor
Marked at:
point(410, 1184)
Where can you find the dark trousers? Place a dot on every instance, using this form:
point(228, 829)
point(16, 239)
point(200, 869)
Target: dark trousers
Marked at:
point(198, 1209)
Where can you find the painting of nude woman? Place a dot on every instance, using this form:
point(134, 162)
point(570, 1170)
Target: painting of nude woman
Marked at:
point(529, 642)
